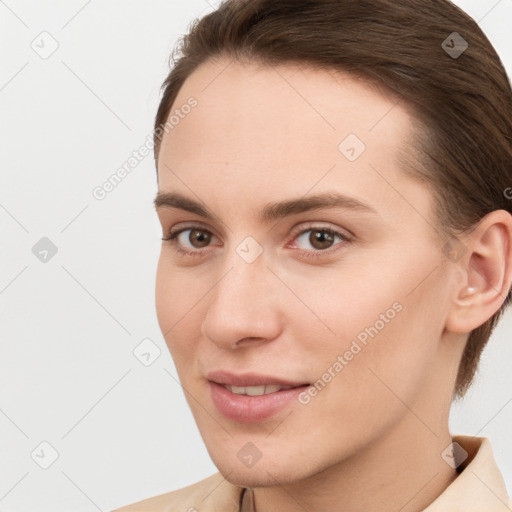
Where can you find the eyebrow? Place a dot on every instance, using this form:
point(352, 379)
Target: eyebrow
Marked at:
point(271, 211)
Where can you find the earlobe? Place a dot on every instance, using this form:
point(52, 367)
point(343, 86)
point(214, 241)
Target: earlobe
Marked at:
point(487, 266)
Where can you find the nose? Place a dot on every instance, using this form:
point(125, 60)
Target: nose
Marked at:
point(244, 306)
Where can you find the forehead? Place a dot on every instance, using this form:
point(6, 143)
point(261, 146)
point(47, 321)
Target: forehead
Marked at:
point(261, 131)
point(276, 103)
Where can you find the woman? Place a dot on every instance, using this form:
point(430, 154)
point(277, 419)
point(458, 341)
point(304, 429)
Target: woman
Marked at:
point(337, 249)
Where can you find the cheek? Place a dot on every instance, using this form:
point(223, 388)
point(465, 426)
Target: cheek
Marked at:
point(173, 295)
point(364, 394)
point(384, 330)
point(164, 291)
point(176, 291)
point(179, 309)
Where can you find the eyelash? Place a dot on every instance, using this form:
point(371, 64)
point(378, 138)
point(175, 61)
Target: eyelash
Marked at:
point(172, 237)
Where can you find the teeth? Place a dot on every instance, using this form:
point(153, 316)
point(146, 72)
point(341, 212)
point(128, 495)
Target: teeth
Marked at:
point(256, 390)
point(272, 388)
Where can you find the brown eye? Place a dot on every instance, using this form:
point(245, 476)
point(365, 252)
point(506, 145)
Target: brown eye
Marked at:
point(320, 242)
point(321, 239)
point(198, 238)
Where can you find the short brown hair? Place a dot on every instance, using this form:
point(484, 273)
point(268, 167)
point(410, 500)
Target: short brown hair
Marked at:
point(463, 147)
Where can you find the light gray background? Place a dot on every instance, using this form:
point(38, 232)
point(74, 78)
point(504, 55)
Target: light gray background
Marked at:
point(123, 431)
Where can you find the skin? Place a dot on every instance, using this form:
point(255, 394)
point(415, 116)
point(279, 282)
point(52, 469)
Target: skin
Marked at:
point(373, 437)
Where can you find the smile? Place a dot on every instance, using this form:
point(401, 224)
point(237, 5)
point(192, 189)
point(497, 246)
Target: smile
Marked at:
point(256, 390)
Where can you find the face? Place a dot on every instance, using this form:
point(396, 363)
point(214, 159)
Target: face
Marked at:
point(309, 269)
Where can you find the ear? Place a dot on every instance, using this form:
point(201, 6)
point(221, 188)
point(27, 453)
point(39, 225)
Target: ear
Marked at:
point(487, 267)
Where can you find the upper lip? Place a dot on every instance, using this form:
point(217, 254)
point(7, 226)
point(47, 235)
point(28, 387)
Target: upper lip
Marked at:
point(249, 379)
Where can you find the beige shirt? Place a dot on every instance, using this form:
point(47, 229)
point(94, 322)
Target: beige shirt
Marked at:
point(479, 487)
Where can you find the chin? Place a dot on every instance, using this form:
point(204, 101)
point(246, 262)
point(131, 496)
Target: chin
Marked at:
point(264, 473)
point(260, 478)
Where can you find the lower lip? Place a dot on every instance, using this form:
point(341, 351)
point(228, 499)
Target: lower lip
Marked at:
point(251, 409)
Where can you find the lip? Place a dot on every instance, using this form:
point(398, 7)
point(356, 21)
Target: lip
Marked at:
point(249, 379)
point(251, 409)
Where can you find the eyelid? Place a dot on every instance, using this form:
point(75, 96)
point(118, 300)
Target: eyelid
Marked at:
point(193, 226)
point(300, 228)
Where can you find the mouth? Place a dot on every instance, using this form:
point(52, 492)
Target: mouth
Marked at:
point(250, 398)
point(251, 380)
point(258, 390)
